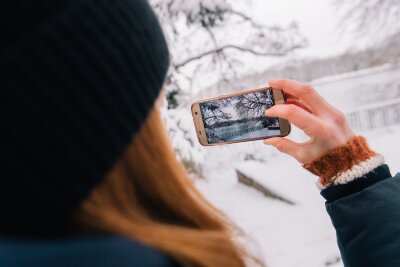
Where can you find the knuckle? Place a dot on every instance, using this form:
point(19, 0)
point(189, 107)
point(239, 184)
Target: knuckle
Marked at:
point(290, 110)
point(322, 129)
point(307, 89)
point(339, 118)
point(280, 146)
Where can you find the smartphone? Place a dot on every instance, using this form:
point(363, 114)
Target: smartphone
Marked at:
point(239, 117)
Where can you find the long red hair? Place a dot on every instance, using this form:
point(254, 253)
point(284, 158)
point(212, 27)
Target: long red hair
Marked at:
point(149, 197)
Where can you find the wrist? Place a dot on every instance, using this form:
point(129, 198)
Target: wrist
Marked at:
point(345, 163)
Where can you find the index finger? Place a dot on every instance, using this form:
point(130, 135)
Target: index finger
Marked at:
point(304, 92)
point(307, 122)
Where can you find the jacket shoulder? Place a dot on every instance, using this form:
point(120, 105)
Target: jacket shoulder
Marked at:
point(368, 221)
point(105, 251)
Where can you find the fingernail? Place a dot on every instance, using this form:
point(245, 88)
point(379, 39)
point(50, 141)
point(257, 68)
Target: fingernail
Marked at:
point(272, 81)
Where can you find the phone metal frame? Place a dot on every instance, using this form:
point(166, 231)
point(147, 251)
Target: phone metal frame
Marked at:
point(279, 98)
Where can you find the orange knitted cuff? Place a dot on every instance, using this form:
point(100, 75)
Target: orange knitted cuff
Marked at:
point(341, 159)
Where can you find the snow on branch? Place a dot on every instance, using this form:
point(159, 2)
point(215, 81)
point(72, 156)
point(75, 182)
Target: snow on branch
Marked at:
point(234, 47)
point(212, 38)
point(378, 18)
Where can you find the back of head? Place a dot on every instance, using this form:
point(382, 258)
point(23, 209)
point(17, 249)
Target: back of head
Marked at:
point(149, 197)
point(77, 80)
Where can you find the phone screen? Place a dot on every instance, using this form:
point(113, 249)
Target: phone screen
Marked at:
point(239, 117)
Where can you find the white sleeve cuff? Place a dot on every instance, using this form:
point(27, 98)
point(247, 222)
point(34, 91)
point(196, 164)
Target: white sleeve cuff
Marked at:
point(357, 171)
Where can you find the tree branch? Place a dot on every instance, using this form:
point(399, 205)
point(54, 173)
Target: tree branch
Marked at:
point(234, 47)
point(247, 18)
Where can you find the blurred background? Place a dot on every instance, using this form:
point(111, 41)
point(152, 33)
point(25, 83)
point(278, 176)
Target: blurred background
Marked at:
point(349, 50)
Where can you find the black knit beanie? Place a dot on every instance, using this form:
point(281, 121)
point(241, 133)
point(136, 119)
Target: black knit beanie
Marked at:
point(77, 80)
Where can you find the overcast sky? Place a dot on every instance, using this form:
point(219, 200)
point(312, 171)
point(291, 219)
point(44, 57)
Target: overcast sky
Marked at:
point(318, 21)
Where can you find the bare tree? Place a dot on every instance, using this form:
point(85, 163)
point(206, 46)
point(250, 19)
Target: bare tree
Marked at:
point(213, 112)
point(254, 105)
point(209, 38)
point(374, 19)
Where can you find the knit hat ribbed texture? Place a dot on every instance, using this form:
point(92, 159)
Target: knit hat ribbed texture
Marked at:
point(77, 80)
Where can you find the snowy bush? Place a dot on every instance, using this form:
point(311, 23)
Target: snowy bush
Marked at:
point(184, 140)
point(207, 41)
point(208, 38)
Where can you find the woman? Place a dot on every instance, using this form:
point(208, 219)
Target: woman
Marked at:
point(89, 175)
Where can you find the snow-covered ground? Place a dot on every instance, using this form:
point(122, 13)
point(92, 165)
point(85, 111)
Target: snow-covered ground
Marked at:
point(349, 91)
point(257, 134)
point(299, 235)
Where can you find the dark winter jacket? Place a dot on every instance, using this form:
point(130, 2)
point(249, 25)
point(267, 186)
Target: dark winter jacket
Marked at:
point(365, 213)
point(100, 251)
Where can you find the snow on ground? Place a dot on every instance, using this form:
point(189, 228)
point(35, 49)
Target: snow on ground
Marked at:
point(299, 235)
point(256, 134)
point(286, 236)
point(351, 90)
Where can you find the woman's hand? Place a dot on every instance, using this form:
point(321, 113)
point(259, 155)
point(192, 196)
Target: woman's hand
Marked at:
point(325, 125)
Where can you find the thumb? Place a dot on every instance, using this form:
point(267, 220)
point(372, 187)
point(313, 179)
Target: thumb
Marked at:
point(285, 146)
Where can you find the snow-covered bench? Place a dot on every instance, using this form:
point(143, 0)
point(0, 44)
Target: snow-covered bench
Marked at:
point(269, 182)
